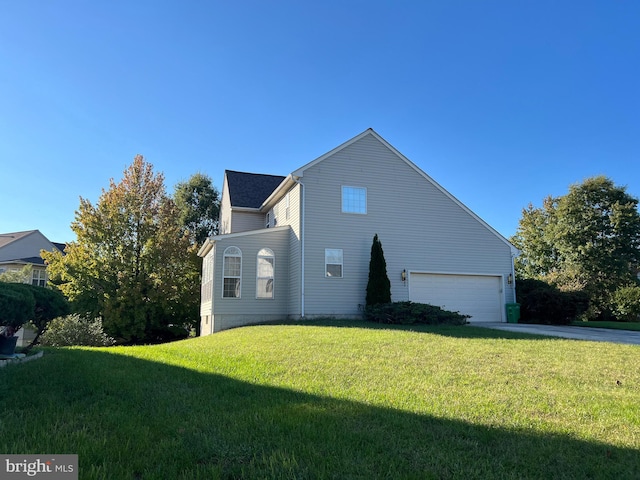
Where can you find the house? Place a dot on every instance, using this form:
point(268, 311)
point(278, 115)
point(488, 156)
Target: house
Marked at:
point(299, 246)
point(21, 249)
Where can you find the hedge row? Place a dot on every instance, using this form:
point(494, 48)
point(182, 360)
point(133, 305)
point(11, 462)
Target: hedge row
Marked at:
point(407, 313)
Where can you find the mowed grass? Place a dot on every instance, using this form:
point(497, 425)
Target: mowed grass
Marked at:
point(333, 400)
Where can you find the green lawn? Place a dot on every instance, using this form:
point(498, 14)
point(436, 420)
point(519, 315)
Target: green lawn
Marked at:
point(635, 326)
point(333, 400)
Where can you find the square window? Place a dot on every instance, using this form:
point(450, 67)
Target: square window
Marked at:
point(354, 200)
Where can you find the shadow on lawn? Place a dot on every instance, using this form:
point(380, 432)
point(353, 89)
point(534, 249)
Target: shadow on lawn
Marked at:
point(455, 331)
point(137, 419)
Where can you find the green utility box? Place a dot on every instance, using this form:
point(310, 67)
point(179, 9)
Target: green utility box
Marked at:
point(513, 312)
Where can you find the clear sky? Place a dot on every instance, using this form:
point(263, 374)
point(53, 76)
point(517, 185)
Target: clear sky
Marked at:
point(501, 102)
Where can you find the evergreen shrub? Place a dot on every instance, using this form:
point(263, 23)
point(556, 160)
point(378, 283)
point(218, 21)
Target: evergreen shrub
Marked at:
point(407, 313)
point(544, 303)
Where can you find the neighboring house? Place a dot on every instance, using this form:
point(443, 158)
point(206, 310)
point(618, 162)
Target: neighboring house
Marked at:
point(299, 246)
point(19, 249)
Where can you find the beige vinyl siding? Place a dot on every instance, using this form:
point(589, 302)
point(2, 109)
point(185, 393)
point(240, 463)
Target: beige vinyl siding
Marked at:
point(246, 221)
point(293, 221)
point(295, 252)
point(420, 227)
point(276, 239)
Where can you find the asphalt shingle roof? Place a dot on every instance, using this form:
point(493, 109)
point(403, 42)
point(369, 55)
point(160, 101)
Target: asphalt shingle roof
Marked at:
point(250, 189)
point(7, 238)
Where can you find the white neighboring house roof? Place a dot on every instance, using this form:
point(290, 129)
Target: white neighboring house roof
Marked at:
point(31, 258)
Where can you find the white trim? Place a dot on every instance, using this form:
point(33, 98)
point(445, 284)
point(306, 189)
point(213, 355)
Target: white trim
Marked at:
point(302, 220)
point(341, 262)
point(500, 276)
point(366, 199)
point(277, 194)
point(239, 277)
point(271, 255)
point(209, 242)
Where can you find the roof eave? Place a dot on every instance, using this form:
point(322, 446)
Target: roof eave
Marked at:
point(206, 247)
point(280, 190)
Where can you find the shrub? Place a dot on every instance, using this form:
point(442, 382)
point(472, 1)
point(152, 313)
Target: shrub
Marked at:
point(544, 303)
point(378, 286)
point(625, 303)
point(406, 313)
point(17, 306)
point(74, 330)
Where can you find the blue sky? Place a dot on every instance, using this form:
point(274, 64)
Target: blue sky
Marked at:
point(501, 102)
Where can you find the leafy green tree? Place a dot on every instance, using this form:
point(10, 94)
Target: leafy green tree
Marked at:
point(198, 203)
point(538, 256)
point(17, 307)
point(130, 263)
point(588, 239)
point(49, 304)
point(17, 276)
point(378, 286)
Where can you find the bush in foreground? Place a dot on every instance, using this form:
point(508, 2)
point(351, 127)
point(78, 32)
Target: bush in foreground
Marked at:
point(625, 303)
point(407, 313)
point(74, 330)
point(541, 302)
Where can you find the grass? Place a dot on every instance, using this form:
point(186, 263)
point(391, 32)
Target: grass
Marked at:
point(333, 400)
point(634, 326)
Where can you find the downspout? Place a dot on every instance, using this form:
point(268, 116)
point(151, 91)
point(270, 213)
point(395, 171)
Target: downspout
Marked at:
point(302, 219)
point(513, 275)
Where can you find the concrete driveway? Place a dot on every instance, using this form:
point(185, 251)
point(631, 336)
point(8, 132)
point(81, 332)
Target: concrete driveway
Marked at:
point(578, 333)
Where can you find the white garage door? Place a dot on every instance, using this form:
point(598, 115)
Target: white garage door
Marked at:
point(475, 295)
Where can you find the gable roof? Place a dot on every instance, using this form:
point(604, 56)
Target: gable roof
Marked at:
point(250, 190)
point(60, 246)
point(369, 131)
point(270, 188)
point(7, 238)
point(11, 237)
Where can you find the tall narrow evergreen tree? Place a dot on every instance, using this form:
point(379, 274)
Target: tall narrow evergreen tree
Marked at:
point(378, 286)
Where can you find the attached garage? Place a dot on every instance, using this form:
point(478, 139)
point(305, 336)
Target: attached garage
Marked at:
point(477, 295)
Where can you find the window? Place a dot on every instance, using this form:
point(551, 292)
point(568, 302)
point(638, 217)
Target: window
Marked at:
point(39, 277)
point(354, 200)
point(333, 262)
point(264, 273)
point(232, 272)
point(267, 223)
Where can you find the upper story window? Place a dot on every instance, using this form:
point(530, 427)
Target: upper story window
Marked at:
point(354, 200)
point(265, 273)
point(39, 277)
point(333, 262)
point(232, 272)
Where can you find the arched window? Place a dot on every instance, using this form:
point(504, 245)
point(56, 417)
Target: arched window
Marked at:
point(231, 272)
point(264, 273)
